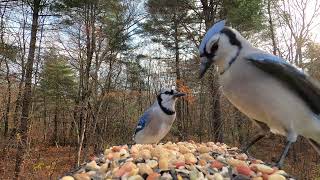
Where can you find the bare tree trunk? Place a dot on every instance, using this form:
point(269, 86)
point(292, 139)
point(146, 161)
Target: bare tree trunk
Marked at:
point(3, 12)
point(209, 8)
point(96, 105)
point(217, 122)
point(27, 94)
point(7, 111)
point(8, 101)
point(86, 89)
point(18, 99)
point(271, 28)
point(298, 58)
point(44, 119)
point(55, 120)
point(38, 58)
point(81, 143)
point(202, 110)
point(178, 79)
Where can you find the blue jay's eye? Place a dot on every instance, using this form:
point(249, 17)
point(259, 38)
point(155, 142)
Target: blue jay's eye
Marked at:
point(214, 48)
point(210, 54)
point(169, 92)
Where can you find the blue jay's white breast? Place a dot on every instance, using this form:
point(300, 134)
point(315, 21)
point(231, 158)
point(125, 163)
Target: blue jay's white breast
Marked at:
point(164, 126)
point(264, 98)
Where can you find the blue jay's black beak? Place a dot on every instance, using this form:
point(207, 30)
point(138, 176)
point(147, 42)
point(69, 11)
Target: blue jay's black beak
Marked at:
point(204, 66)
point(179, 94)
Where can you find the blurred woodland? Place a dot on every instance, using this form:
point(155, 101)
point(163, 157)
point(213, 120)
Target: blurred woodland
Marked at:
point(75, 75)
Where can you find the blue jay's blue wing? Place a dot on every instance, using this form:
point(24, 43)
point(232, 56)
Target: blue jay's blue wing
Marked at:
point(143, 121)
point(294, 79)
point(216, 28)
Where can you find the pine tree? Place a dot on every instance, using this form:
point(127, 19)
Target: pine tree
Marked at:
point(57, 86)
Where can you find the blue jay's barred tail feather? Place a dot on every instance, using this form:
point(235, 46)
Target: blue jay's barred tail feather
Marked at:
point(315, 145)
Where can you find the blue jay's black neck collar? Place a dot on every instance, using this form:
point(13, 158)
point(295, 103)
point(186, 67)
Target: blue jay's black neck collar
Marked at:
point(234, 41)
point(164, 109)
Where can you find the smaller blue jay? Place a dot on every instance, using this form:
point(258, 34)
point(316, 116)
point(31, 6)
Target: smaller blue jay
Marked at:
point(156, 121)
point(271, 92)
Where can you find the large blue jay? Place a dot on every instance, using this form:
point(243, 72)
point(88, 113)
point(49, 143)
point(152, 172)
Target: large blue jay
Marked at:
point(156, 121)
point(274, 94)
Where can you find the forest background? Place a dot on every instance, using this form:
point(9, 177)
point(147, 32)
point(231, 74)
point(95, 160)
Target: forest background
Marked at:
point(75, 75)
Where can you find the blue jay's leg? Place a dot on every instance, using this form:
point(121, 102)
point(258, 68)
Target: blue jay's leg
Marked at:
point(291, 138)
point(279, 164)
point(263, 133)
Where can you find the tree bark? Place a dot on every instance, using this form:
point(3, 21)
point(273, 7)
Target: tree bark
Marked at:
point(85, 110)
point(178, 78)
point(7, 111)
point(8, 101)
point(18, 99)
point(27, 94)
point(55, 120)
point(271, 28)
point(44, 119)
point(202, 110)
point(216, 118)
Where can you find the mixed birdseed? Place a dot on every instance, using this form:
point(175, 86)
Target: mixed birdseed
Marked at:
point(176, 161)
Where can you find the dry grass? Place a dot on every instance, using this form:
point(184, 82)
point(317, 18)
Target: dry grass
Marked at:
point(40, 163)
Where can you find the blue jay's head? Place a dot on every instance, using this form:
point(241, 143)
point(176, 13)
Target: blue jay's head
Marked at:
point(170, 94)
point(168, 97)
point(220, 44)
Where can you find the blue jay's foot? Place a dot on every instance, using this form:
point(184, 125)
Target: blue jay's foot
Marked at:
point(245, 150)
point(274, 164)
point(279, 164)
point(130, 145)
point(249, 156)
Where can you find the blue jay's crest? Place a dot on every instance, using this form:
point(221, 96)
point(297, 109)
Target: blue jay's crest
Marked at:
point(216, 28)
point(142, 123)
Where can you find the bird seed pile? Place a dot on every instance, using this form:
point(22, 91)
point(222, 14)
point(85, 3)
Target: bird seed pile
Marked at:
point(176, 161)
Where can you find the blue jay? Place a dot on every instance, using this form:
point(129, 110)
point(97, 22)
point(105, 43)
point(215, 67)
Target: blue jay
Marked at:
point(274, 94)
point(156, 121)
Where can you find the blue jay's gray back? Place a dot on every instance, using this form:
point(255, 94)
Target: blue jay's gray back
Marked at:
point(274, 94)
point(156, 121)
